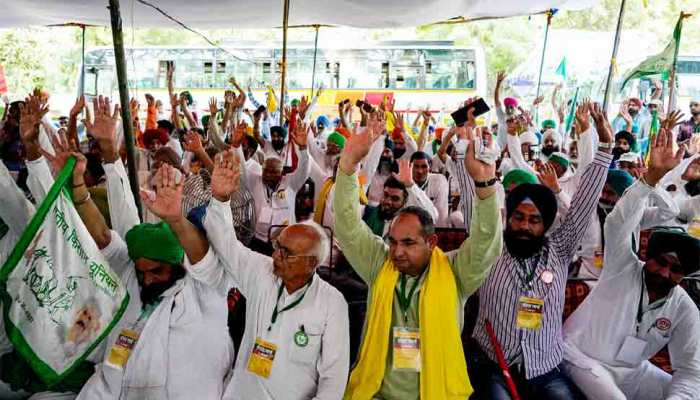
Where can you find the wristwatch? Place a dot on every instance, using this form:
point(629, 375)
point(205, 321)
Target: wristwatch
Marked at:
point(606, 146)
point(485, 184)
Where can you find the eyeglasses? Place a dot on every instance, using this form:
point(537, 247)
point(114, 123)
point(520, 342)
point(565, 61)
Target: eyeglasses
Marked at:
point(284, 252)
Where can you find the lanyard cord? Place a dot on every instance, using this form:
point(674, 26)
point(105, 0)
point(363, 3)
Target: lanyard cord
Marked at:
point(405, 302)
point(295, 303)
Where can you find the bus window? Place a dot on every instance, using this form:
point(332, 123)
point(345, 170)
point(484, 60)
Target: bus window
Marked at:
point(162, 76)
point(466, 74)
point(439, 75)
point(407, 76)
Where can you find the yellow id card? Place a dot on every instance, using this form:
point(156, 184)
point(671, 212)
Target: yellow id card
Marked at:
point(530, 312)
point(406, 349)
point(119, 354)
point(261, 358)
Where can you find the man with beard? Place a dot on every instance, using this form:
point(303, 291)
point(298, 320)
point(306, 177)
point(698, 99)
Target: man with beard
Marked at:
point(278, 147)
point(435, 186)
point(625, 142)
point(551, 142)
point(411, 346)
point(638, 306)
point(295, 345)
point(399, 192)
point(523, 296)
point(632, 117)
point(692, 125)
point(386, 167)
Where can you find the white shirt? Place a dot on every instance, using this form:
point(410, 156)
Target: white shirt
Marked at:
point(598, 328)
point(318, 370)
point(275, 207)
point(438, 191)
point(184, 350)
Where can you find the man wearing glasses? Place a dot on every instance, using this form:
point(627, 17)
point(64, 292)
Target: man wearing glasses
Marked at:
point(411, 346)
point(296, 343)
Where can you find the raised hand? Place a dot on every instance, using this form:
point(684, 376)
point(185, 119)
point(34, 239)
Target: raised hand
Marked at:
point(134, 105)
point(167, 203)
point(673, 120)
point(174, 101)
point(225, 179)
point(193, 142)
point(77, 107)
point(31, 113)
point(150, 100)
point(405, 174)
point(357, 147)
point(479, 170)
point(501, 77)
point(624, 111)
point(239, 133)
point(303, 106)
point(213, 107)
point(583, 115)
point(299, 136)
point(548, 177)
point(537, 101)
point(104, 127)
point(63, 150)
point(662, 156)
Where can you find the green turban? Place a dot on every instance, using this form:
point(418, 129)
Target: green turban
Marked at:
point(337, 139)
point(561, 159)
point(619, 180)
point(549, 124)
point(518, 177)
point(295, 102)
point(155, 242)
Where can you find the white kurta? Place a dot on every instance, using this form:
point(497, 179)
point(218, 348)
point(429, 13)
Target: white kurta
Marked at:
point(318, 370)
point(596, 331)
point(438, 191)
point(184, 350)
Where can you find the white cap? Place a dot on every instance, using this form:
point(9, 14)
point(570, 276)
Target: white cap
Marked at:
point(529, 137)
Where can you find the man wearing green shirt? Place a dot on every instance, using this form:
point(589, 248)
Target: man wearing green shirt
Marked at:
point(411, 369)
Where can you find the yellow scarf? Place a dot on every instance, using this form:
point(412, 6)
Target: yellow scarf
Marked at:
point(320, 208)
point(443, 373)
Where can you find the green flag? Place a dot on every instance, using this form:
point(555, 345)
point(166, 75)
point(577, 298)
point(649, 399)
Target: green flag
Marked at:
point(60, 297)
point(561, 69)
point(659, 64)
point(572, 113)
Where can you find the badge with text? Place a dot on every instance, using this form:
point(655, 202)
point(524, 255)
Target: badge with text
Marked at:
point(530, 312)
point(406, 349)
point(120, 352)
point(261, 358)
point(301, 339)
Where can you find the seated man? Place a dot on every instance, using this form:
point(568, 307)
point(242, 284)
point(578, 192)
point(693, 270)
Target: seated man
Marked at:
point(434, 185)
point(638, 307)
point(295, 344)
point(411, 346)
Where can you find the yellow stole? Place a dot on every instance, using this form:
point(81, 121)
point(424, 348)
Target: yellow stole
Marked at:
point(443, 373)
point(320, 208)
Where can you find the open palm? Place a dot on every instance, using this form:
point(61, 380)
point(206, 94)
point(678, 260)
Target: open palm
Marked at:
point(225, 179)
point(167, 203)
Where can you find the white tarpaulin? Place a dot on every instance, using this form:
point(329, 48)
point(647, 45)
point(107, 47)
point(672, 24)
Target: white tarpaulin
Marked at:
point(268, 13)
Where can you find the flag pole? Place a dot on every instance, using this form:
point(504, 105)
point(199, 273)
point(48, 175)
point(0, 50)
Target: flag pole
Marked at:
point(285, 27)
point(613, 59)
point(550, 14)
point(672, 76)
point(120, 61)
point(313, 70)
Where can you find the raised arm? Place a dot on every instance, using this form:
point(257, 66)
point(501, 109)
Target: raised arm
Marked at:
point(365, 251)
point(73, 119)
point(416, 196)
point(473, 260)
point(629, 210)
point(516, 153)
point(296, 179)
point(567, 237)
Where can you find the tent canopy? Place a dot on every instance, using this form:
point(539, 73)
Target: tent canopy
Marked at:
point(268, 13)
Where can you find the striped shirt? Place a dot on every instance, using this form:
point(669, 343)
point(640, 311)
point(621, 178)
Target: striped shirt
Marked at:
point(540, 351)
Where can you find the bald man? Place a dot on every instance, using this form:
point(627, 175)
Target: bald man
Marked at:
point(296, 343)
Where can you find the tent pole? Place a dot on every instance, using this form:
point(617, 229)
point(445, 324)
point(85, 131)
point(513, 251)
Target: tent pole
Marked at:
point(550, 14)
point(120, 60)
point(82, 69)
point(613, 59)
point(285, 27)
point(313, 70)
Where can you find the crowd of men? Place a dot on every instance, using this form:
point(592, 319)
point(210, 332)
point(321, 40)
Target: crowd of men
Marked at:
point(301, 261)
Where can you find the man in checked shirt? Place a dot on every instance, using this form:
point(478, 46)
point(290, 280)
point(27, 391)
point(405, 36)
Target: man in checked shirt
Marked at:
point(523, 296)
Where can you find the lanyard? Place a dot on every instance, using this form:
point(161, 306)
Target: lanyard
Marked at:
point(529, 274)
point(293, 304)
point(640, 311)
point(405, 302)
point(145, 313)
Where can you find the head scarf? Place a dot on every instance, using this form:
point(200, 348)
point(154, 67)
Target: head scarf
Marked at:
point(549, 124)
point(295, 102)
point(530, 138)
point(518, 177)
point(279, 130)
point(322, 119)
point(554, 135)
point(540, 195)
point(627, 136)
point(685, 246)
point(159, 134)
point(337, 139)
point(154, 242)
point(561, 159)
point(635, 101)
point(619, 180)
point(510, 102)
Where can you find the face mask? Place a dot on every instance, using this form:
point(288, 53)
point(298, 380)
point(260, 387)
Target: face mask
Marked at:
point(522, 247)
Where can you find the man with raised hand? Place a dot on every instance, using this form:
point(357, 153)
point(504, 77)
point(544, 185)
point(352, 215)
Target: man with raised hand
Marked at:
point(638, 307)
point(296, 343)
point(411, 346)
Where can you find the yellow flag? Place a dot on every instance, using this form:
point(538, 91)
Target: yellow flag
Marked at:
point(271, 102)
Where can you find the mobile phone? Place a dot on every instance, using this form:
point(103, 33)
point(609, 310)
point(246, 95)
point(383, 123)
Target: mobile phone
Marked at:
point(460, 116)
